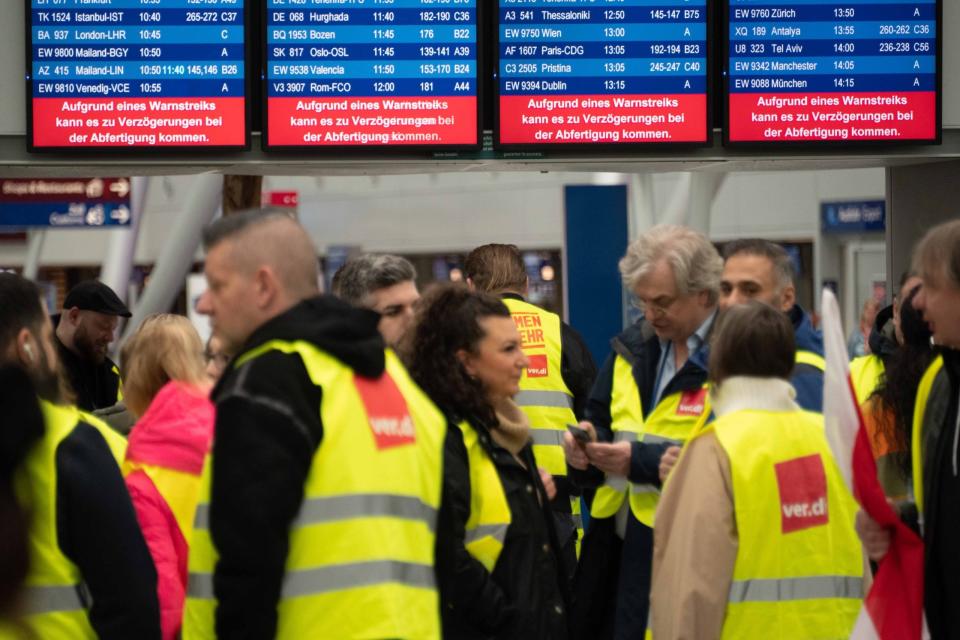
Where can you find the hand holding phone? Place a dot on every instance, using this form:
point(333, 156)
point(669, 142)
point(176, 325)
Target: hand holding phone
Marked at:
point(579, 434)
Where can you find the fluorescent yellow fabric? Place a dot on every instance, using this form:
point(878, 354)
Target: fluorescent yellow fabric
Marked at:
point(626, 421)
point(866, 373)
point(489, 511)
point(361, 556)
point(543, 396)
point(810, 358)
point(116, 442)
point(799, 568)
point(54, 608)
point(916, 437)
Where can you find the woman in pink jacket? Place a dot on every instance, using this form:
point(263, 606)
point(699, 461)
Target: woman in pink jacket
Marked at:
point(165, 386)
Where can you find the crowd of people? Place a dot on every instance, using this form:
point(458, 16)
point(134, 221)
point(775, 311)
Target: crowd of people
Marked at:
point(377, 464)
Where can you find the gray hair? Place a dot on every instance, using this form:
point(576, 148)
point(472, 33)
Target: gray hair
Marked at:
point(775, 253)
point(361, 276)
point(937, 255)
point(694, 260)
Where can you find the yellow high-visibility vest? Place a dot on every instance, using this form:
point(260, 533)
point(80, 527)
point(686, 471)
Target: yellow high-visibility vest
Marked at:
point(916, 436)
point(116, 442)
point(489, 512)
point(361, 557)
point(55, 593)
point(866, 373)
point(674, 420)
point(799, 568)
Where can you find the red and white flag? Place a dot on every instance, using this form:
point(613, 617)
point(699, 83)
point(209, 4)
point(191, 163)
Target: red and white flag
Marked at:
point(893, 609)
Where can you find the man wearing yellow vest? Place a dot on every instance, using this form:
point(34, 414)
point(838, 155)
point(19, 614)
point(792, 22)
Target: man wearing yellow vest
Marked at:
point(90, 573)
point(936, 434)
point(755, 533)
point(555, 387)
point(647, 398)
point(322, 491)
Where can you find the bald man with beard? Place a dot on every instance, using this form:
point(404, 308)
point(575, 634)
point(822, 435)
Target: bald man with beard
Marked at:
point(301, 439)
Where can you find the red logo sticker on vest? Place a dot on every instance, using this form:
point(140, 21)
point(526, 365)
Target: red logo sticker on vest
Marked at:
point(538, 366)
point(803, 493)
point(692, 402)
point(387, 411)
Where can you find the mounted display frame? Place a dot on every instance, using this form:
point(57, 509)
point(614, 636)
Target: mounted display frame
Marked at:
point(109, 91)
point(651, 109)
point(345, 121)
point(902, 44)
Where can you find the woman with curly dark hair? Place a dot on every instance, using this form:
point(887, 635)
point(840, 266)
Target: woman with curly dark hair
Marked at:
point(498, 560)
point(888, 413)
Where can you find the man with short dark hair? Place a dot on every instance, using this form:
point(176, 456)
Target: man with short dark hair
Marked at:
point(91, 574)
point(85, 330)
point(383, 283)
point(326, 471)
point(755, 269)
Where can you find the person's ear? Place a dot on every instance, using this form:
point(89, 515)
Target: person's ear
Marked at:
point(73, 316)
point(26, 350)
point(788, 298)
point(466, 360)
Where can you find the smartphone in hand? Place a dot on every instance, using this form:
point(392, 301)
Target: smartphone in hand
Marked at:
point(579, 434)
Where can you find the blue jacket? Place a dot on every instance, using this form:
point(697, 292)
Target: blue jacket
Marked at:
point(807, 380)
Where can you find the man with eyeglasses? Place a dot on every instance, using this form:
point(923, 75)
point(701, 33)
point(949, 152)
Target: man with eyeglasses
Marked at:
point(650, 394)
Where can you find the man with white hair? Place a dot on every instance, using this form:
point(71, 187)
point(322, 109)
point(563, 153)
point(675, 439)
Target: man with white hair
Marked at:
point(650, 394)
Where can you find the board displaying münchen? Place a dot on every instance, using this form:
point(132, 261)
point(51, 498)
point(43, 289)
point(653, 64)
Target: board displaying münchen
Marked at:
point(459, 77)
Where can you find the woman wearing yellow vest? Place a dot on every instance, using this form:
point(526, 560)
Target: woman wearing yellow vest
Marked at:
point(754, 533)
point(498, 560)
point(165, 386)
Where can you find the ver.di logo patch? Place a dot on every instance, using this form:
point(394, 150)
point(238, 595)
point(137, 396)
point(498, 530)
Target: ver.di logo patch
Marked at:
point(538, 366)
point(387, 412)
point(692, 402)
point(803, 493)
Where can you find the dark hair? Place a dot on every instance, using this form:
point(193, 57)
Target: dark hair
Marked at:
point(447, 321)
point(938, 254)
point(752, 339)
point(23, 425)
point(775, 253)
point(361, 276)
point(896, 395)
point(20, 308)
point(496, 268)
point(229, 226)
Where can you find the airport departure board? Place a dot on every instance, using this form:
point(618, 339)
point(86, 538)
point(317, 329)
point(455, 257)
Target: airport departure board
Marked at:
point(606, 72)
point(379, 73)
point(812, 71)
point(137, 73)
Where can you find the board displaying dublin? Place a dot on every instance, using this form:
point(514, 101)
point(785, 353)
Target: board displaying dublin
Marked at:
point(136, 73)
point(581, 72)
point(375, 74)
point(812, 71)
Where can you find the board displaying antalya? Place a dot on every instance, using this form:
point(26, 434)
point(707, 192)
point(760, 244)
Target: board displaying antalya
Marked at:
point(611, 72)
point(137, 73)
point(380, 73)
point(812, 71)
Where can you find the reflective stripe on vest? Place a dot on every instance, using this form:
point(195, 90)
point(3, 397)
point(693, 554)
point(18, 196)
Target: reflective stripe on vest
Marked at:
point(489, 518)
point(798, 571)
point(52, 602)
point(674, 420)
point(865, 374)
point(812, 359)
point(626, 421)
point(916, 437)
point(543, 396)
point(364, 538)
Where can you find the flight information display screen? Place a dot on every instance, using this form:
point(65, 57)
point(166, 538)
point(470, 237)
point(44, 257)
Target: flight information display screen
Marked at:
point(584, 72)
point(137, 73)
point(811, 71)
point(380, 73)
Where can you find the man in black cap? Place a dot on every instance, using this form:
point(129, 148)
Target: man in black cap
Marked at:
point(85, 330)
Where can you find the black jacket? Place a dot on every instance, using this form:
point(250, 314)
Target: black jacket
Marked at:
point(941, 481)
point(267, 430)
point(95, 385)
point(525, 596)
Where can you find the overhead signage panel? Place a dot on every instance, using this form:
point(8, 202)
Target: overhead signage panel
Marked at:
point(815, 71)
point(380, 74)
point(65, 202)
point(137, 73)
point(581, 72)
